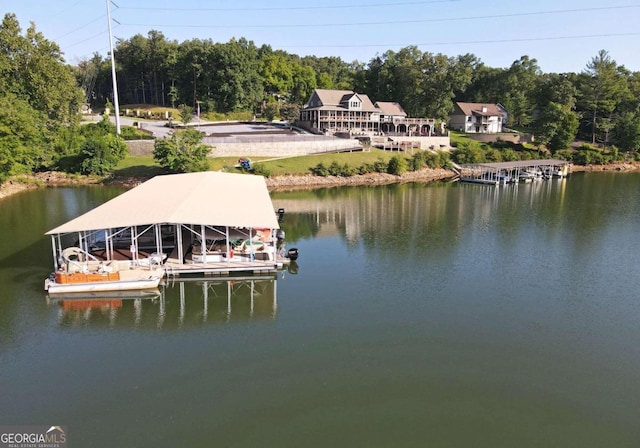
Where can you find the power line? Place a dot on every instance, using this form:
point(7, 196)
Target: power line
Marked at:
point(289, 8)
point(87, 39)
point(398, 22)
point(81, 27)
point(491, 41)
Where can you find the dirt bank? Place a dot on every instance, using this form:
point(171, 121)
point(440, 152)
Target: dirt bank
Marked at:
point(285, 183)
point(46, 179)
point(279, 183)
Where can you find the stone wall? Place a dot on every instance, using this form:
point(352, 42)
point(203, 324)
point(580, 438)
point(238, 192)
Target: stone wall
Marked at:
point(144, 148)
point(280, 149)
point(140, 148)
point(512, 137)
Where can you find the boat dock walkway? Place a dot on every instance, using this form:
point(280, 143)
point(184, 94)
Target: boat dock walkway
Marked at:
point(174, 268)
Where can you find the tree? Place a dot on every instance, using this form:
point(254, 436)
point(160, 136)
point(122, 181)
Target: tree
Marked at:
point(601, 88)
point(277, 74)
point(38, 95)
point(556, 123)
point(289, 112)
point(182, 152)
point(173, 95)
point(186, 114)
point(304, 83)
point(22, 136)
point(271, 110)
point(443, 78)
point(627, 132)
point(520, 88)
point(32, 68)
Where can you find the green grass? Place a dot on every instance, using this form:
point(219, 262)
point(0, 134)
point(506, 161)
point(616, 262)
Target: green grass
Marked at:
point(146, 167)
point(142, 167)
point(302, 164)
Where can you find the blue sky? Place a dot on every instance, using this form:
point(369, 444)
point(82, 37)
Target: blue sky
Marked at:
point(563, 35)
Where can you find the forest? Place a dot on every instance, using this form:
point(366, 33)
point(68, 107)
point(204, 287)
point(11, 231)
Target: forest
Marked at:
point(41, 95)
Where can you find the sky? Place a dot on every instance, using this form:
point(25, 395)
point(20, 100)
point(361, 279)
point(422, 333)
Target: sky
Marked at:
point(562, 35)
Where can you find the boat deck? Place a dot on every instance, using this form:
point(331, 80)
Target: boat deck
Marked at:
point(174, 268)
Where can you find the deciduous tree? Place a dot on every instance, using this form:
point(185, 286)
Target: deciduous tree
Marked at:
point(183, 152)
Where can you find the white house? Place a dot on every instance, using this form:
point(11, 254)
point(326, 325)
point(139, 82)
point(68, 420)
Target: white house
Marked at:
point(477, 118)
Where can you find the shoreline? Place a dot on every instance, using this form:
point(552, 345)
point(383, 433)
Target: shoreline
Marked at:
point(52, 179)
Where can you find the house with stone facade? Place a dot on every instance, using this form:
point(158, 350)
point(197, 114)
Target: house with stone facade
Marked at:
point(345, 112)
point(477, 118)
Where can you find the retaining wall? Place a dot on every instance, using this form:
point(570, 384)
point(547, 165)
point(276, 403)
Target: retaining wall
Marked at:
point(144, 148)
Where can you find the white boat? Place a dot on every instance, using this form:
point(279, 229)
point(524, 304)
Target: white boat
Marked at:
point(529, 176)
point(82, 272)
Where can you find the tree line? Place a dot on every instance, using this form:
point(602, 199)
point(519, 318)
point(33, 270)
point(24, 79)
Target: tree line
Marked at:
point(41, 95)
point(600, 104)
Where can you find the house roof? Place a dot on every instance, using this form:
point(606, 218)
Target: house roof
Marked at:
point(332, 99)
point(476, 109)
point(207, 198)
point(390, 108)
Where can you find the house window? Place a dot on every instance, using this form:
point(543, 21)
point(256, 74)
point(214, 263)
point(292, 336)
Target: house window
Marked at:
point(469, 119)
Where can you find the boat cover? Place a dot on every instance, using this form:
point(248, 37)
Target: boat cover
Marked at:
point(206, 198)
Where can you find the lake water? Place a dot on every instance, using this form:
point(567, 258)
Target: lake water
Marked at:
point(444, 315)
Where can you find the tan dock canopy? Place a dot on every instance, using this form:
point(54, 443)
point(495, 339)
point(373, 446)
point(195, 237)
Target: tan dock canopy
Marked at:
point(208, 198)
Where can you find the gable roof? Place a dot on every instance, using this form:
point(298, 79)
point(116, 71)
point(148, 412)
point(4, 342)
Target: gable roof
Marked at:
point(476, 109)
point(207, 198)
point(390, 108)
point(332, 99)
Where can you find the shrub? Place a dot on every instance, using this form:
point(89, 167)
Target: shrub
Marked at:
point(335, 169)
point(380, 166)
point(468, 152)
point(100, 155)
point(509, 155)
point(397, 165)
point(365, 168)
point(320, 170)
point(565, 154)
point(492, 155)
point(261, 170)
point(131, 133)
point(417, 161)
point(347, 171)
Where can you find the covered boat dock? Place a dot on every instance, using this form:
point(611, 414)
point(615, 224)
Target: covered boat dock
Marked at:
point(501, 173)
point(208, 222)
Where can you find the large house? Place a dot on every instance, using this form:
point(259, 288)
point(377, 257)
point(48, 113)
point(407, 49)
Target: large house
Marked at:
point(339, 111)
point(477, 118)
point(348, 112)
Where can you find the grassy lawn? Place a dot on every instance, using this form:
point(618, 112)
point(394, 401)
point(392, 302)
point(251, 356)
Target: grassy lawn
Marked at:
point(302, 164)
point(143, 167)
point(146, 167)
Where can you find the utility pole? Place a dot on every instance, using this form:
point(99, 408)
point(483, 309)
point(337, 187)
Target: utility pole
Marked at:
point(116, 104)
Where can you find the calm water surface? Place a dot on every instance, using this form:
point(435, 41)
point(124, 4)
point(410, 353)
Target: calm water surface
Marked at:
point(443, 315)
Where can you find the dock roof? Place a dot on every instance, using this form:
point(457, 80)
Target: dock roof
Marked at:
point(207, 198)
point(520, 164)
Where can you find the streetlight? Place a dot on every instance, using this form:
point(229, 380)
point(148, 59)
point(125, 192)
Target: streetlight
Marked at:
point(198, 112)
point(113, 73)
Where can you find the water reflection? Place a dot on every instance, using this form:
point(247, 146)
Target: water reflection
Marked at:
point(414, 216)
point(176, 305)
